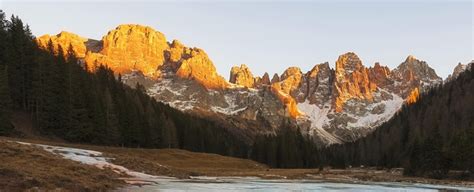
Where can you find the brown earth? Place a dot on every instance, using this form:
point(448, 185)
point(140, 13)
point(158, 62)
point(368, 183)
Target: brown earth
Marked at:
point(29, 168)
point(185, 164)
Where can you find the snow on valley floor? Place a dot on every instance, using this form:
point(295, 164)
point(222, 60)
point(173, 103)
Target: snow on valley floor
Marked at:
point(97, 159)
point(144, 182)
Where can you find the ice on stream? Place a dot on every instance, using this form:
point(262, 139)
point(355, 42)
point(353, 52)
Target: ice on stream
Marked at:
point(145, 182)
point(256, 184)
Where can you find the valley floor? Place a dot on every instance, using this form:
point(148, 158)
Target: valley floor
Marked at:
point(26, 167)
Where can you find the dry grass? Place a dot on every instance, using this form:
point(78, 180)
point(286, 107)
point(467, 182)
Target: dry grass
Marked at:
point(26, 167)
point(182, 164)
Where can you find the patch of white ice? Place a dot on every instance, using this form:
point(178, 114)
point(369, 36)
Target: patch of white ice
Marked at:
point(316, 115)
point(318, 118)
point(97, 159)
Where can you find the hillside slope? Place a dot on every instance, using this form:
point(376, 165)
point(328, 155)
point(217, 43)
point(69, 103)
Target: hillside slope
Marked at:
point(30, 168)
point(428, 138)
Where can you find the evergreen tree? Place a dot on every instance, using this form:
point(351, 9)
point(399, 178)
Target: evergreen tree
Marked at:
point(5, 102)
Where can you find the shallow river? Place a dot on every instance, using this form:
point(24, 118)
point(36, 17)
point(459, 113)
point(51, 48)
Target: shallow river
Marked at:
point(253, 184)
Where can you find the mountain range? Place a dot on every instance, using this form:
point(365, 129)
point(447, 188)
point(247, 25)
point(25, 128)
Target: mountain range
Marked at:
point(331, 105)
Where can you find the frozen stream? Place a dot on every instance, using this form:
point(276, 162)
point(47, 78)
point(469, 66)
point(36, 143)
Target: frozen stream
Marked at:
point(256, 184)
point(144, 182)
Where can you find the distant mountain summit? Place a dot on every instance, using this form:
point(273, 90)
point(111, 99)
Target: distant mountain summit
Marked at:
point(459, 69)
point(329, 105)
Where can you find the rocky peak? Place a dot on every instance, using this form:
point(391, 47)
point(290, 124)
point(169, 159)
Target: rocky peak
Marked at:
point(241, 75)
point(457, 70)
point(290, 79)
point(318, 69)
point(411, 58)
point(63, 40)
point(379, 75)
point(275, 78)
point(413, 69)
point(348, 63)
point(200, 68)
point(412, 77)
point(176, 54)
point(317, 85)
point(134, 47)
point(352, 80)
point(265, 79)
point(177, 51)
point(288, 85)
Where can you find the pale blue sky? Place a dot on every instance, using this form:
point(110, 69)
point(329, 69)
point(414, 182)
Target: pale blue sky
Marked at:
point(271, 36)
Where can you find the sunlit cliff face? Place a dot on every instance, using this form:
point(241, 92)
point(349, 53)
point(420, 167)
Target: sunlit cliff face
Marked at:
point(413, 96)
point(135, 47)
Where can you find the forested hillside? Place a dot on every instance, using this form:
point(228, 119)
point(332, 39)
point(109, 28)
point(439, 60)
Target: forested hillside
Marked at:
point(427, 138)
point(67, 101)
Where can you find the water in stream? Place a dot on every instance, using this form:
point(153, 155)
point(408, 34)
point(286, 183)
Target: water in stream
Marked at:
point(254, 184)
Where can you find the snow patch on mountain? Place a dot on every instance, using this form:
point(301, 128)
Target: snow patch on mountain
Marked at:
point(316, 115)
point(231, 106)
point(319, 119)
point(371, 120)
point(164, 86)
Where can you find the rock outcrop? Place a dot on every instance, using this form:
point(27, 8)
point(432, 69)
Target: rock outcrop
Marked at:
point(413, 73)
point(459, 69)
point(200, 68)
point(265, 79)
point(380, 75)
point(413, 96)
point(134, 47)
point(352, 80)
point(63, 41)
point(241, 75)
point(275, 78)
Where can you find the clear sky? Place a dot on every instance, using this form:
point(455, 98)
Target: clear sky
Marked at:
point(270, 36)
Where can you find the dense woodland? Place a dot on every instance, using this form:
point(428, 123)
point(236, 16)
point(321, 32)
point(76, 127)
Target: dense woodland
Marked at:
point(65, 100)
point(427, 138)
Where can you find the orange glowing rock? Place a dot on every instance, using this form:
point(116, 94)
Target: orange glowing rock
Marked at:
point(134, 47)
point(413, 96)
point(200, 68)
point(287, 100)
point(63, 40)
point(352, 80)
point(289, 82)
point(241, 75)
